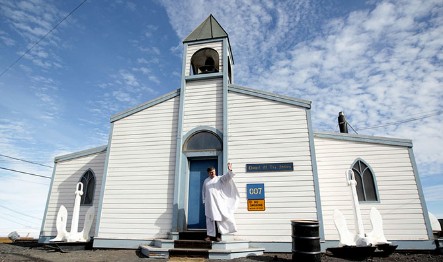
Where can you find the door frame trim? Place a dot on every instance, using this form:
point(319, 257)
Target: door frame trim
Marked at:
point(181, 181)
point(207, 155)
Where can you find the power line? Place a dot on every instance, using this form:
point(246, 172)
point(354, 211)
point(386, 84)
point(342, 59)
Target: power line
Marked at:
point(28, 181)
point(27, 161)
point(26, 173)
point(403, 121)
point(18, 212)
point(13, 221)
point(351, 127)
point(41, 38)
point(17, 217)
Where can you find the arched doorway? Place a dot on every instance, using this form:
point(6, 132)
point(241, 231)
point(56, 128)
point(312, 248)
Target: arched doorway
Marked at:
point(202, 149)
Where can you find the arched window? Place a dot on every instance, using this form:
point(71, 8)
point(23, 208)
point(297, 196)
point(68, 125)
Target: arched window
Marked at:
point(366, 188)
point(88, 180)
point(205, 61)
point(203, 141)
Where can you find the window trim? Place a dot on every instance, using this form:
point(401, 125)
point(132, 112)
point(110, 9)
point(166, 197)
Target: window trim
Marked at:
point(85, 187)
point(189, 138)
point(374, 179)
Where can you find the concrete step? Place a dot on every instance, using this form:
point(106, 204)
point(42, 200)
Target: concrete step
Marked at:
point(163, 243)
point(192, 235)
point(193, 244)
point(189, 252)
point(230, 245)
point(167, 243)
point(154, 252)
point(234, 253)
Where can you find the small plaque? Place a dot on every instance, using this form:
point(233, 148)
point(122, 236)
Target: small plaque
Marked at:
point(255, 191)
point(269, 167)
point(256, 205)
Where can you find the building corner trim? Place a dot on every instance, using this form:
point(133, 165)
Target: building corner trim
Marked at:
point(315, 174)
point(179, 154)
point(225, 104)
point(103, 185)
point(47, 200)
point(420, 193)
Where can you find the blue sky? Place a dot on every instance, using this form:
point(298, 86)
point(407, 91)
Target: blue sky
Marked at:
point(381, 62)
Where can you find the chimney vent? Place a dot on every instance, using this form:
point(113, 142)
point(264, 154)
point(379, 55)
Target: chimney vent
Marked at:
point(342, 124)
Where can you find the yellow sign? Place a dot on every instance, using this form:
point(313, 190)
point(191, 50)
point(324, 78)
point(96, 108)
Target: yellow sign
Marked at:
point(256, 205)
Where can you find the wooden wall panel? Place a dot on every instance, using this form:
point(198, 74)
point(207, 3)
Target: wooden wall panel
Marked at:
point(137, 203)
point(266, 131)
point(68, 174)
point(399, 204)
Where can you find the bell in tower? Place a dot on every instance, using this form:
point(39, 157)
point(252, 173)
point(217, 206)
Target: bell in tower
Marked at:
point(205, 61)
point(209, 66)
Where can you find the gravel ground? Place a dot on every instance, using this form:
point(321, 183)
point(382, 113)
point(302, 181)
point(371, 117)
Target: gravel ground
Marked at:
point(39, 253)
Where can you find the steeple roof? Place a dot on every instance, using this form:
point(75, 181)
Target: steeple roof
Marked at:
point(209, 29)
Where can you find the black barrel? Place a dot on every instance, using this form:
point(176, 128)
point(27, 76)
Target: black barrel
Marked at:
point(305, 240)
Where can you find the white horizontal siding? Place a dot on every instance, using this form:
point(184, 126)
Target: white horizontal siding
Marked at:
point(192, 48)
point(203, 104)
point(137, 203)
point(67, 174)
point(399, 205)
point(265, 131)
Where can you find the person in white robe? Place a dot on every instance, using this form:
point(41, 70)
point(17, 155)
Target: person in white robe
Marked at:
point(221, 198)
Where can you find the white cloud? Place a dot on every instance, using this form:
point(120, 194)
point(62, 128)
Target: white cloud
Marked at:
point(154, 79)
point(8, 41)
point(142, 61)
point(131, 5)
point(150, 30)
point(32, 20)
point(126, 88)
point(129, 79)
point(125, 97)
point(150, 50)
point(144, 70)
point(147, 72)
point(433, 193)
point(13, 131)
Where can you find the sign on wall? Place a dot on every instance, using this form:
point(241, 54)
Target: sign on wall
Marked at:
point(256, 205)
point(255, 191)
point(256, 197)
point(269, 167)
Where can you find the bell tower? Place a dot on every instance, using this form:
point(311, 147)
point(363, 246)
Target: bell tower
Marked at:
point(206, 73)
point(205, 50)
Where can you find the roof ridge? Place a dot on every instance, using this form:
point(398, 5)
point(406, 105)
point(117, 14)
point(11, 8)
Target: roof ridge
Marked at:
point(210, 28)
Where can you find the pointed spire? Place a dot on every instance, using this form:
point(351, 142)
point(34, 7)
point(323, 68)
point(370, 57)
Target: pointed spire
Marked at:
point(209, 29)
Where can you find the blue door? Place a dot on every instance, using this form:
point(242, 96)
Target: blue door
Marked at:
point(196, 209)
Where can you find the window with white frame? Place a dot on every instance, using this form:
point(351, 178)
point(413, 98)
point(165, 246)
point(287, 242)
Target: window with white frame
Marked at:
point(88, 180)
point(366, 186)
